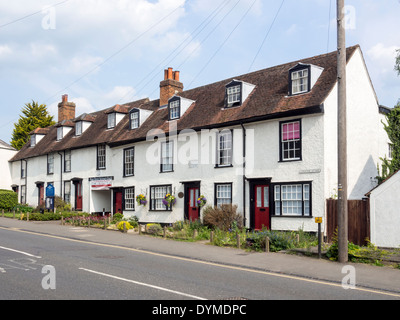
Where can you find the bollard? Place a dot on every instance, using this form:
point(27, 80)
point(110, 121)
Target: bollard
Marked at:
point(125, 231)
point(266, 244)
point(62, 220)
point(27, 216)
point(238, 240)
point(2, 213)
point(165, 232)
point(140, 229)
point(195, 233)
point(211, 236)
point(104, 224)
point(13, 214)
point(88, 222)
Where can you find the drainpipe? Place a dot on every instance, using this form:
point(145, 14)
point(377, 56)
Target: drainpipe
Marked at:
point(26, 181)
point(244, 173)
point(61, 176)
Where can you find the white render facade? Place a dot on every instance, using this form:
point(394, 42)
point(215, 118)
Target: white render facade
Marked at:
point(292, 186)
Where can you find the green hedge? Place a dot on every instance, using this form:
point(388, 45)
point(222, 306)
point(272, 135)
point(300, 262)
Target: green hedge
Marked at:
point(8, 199)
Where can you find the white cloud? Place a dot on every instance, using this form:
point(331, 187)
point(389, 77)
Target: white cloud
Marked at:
point(5, 50)
point(383, 56)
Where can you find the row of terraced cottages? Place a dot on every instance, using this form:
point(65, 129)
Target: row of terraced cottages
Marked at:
point(265, 141)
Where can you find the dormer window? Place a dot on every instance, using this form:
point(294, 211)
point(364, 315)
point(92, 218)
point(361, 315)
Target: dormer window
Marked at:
point(134, 119)
point(233, 94)
point(33, 140)
point(59, 133)
point(177, 107)
point(299, 81)
point(78, 128)
point(303, 77)
point(174, 109)
point(111, 120)
point(236, 93)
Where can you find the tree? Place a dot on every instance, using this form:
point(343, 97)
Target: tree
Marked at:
point(34, 116)
point(392, 128)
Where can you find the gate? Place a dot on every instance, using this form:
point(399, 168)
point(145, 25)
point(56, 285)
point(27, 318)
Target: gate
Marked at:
point(358, 220)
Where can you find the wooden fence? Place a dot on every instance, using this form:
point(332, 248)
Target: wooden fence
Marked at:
point(358, 220)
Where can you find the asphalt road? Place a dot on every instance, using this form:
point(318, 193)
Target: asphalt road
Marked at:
point(41, 267)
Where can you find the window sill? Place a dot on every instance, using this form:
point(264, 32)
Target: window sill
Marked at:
point(224, 166)
point(291, 216)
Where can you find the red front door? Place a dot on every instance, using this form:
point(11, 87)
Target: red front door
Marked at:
point(193, 208)
point(41, 194)
point(117, 202)
point(78, 196)
point(261, 204)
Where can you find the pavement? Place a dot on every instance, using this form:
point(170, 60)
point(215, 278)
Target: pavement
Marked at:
point(366, 276)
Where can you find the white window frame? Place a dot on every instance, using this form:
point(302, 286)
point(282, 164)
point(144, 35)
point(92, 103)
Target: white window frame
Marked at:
point(233, 94)
point(134, 119)
point(292, 199)
point(224, 148)
point(167, 156)
point(111, 120)
point(50, 163)
point(59, 133)
point(129, 199)
point(78, 128)
point(101, 157)
point(67, 191)
point(157, 194)
point(291, 148)
point(129, 162)
point(174, 109)
point(300, 81)
point(223, 194)
point(67, 161)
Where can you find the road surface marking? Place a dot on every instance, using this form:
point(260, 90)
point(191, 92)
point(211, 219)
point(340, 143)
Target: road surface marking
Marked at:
point(144, 284)
point(22, 252)
point(280, 275)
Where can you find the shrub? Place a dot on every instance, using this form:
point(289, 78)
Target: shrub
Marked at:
point(8, 199)
point(120, 225)
point(153, 228)
point(224, 217)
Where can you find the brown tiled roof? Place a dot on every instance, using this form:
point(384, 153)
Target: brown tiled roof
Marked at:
point(268, 100)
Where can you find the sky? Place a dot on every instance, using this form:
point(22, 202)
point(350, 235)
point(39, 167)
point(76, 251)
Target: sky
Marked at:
point(102, 53)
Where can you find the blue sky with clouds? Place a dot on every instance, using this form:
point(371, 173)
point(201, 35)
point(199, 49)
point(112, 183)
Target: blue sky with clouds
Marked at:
point(103, 52)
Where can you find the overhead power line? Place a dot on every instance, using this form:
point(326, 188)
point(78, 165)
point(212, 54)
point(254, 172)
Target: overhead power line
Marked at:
point(266, 35)
point(31, 14)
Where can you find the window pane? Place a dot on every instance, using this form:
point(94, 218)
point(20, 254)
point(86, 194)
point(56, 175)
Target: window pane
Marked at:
point(174, 109)
point(129, 162)
point(224, 194)
point(134, 119)
point(167, 156)
point(129, 199)
point(224, 148)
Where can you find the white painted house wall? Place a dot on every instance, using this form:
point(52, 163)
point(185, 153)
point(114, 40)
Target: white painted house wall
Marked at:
point(317, 166)
point(6, 153)
point(385, 213)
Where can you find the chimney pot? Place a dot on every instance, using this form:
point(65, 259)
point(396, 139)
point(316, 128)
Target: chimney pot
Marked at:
point(170, 73)
point(170, 86)
point(64, 98)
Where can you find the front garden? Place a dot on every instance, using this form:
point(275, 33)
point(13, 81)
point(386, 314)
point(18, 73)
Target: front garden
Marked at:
point(220, 227)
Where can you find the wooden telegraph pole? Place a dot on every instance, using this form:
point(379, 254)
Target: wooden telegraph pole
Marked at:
point(342, 136)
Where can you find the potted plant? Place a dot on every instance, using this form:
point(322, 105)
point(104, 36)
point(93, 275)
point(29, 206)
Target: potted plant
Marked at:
point(141, 200)
point(169, 200)
point(201, 201)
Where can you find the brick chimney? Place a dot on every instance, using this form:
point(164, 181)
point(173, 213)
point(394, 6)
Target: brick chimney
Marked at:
point(66, 110)
point(170, 86)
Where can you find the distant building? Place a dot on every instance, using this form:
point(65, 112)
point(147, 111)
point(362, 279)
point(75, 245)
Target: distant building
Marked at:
point(6, 153)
